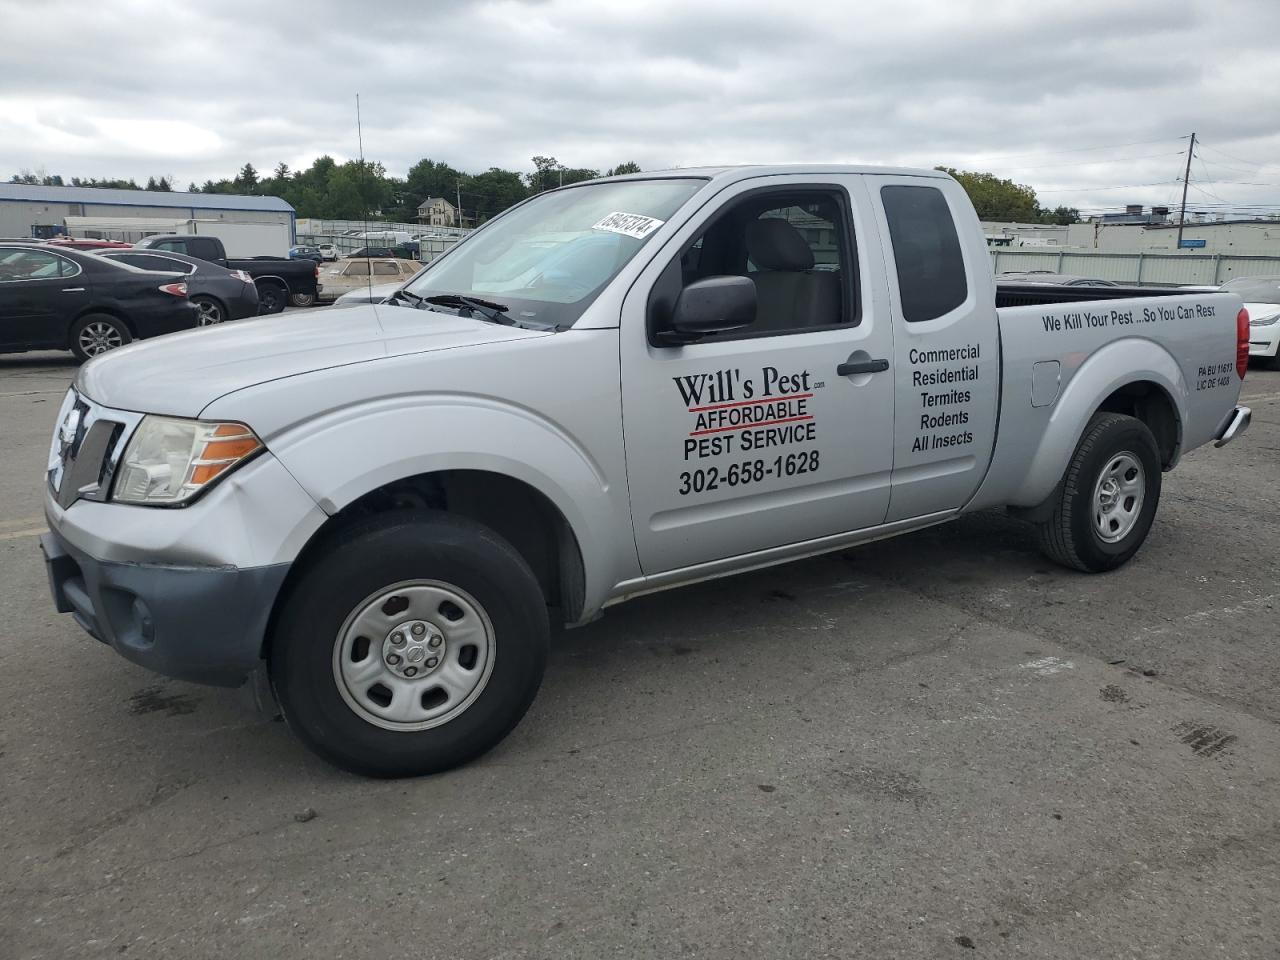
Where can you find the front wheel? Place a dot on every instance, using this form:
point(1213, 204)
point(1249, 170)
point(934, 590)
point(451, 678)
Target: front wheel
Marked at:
point(414, 643)
point(1108, 497)
point(95, 334)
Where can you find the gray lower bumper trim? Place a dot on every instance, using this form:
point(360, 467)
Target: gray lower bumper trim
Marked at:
point(1237, 422)
point(202, 624)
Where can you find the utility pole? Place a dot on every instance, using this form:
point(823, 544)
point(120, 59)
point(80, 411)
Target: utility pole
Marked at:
point(1186, 177)
point(457, 211)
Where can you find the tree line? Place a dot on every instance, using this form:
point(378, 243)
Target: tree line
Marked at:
point(356, 190)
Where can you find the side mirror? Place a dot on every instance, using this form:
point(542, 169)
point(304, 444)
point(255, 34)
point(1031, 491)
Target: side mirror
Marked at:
point(713, 305)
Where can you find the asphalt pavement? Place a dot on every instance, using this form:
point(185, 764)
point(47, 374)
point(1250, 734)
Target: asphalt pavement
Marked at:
point(935, 746)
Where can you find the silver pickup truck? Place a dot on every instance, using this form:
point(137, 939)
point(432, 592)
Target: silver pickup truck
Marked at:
point(614, 388)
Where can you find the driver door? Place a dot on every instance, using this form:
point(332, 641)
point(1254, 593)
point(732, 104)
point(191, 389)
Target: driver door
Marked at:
point(754, 439)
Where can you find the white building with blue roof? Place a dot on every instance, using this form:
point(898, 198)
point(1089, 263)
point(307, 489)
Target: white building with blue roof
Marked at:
point(28, 210)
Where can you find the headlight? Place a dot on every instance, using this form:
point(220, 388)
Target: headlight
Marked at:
point(1265, 321)
point(169, 461)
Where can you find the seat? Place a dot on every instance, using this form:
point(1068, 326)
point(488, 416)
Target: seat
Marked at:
point(790, 294)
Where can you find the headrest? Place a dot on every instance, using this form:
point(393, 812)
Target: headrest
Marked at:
point(775, 244)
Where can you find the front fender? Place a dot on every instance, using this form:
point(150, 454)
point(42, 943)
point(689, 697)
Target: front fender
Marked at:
point(346, 453)
point(1105, 371)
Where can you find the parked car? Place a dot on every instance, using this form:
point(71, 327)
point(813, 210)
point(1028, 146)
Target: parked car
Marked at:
point(403, 251)
point(377, 293)
point(306, 253)
point(349, 275)
point(279, 282)
point(61, 299)
point(328, 251)
point(1261, 296)
point(415, 493)
point(71, 243)
point(220, 294)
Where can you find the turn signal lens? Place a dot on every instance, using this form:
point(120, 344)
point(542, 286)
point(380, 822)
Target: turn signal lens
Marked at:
point(168, 460)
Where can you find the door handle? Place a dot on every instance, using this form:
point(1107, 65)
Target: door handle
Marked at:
point(73, 289)
point(851, 367)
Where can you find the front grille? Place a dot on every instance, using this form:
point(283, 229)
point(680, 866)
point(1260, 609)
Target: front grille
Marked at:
point(87, 444)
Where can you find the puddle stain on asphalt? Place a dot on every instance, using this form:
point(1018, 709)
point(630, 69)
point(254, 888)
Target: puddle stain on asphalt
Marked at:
point(155, 700)
point(1204, 739)
point(1113, 694)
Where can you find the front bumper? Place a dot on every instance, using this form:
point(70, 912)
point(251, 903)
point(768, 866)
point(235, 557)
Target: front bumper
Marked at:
point(1236, 423)
point(1264, 341)
point(201, 624)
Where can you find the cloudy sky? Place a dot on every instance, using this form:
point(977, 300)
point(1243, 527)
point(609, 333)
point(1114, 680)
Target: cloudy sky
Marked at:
point(1089, 102)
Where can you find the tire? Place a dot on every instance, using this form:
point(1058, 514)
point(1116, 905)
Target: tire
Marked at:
point(303, 299)
point(211, 311)
point(96, 333)
point(1108, 496)
point(272, 298)
point(475, 601)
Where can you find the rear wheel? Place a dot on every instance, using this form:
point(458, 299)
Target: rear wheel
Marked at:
point(272, 298)
point(414, 643)
point(1108, 497)
point(96, 333)
point(211, 311)
point(303, 299)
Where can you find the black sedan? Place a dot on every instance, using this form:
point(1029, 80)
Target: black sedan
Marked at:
point(221, 294)
point(70, 300)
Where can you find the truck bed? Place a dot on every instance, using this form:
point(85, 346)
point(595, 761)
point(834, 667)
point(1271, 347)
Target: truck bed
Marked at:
point(1034, 294)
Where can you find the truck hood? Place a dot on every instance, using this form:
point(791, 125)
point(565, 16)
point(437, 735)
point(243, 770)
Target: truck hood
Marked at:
point(182, 373)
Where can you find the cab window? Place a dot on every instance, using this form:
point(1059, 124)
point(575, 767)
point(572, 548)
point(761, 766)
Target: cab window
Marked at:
point(357, 268)
point(386, 269)
point(796, 247)
point(926, 252)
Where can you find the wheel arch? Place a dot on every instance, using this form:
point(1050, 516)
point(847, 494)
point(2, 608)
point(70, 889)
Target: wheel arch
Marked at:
point(516, 510)
point(1135, 377)
point(112, 312)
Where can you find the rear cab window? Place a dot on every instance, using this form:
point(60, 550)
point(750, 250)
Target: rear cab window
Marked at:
point(926, 251)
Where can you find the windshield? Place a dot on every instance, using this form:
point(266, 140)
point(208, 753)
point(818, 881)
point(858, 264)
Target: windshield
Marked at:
point(548, 259)
point(1255, 289)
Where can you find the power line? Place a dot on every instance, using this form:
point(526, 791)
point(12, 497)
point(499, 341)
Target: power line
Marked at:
point(1122, 186)
point(1087, 163)
point(1254, 163)
point(1105, 146)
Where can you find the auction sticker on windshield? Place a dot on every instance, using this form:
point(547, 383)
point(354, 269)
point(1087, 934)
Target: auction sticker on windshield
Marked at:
point(629, 224)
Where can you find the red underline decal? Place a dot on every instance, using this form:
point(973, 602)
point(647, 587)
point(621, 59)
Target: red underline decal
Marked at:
point(743, 403)
point(745, 426)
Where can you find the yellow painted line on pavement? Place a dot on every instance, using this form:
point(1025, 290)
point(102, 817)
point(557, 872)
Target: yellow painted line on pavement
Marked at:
point(19, 534)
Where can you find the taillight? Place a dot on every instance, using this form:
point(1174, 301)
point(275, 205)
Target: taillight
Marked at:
point(317, 271)
point(174, 289)
point(1242, 342)
point(242, 276)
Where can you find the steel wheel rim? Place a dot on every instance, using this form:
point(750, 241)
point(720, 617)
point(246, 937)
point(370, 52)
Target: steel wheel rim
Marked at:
point(99, 337)
point(414, 621)
point(1118, 495)
point(209, 313)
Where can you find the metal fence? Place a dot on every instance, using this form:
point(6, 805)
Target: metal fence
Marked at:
point(315, 227)
point(428, 247)
point(1156, 269)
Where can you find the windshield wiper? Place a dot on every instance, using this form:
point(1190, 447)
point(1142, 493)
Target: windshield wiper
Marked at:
point(493, 312)
point(411, 297)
